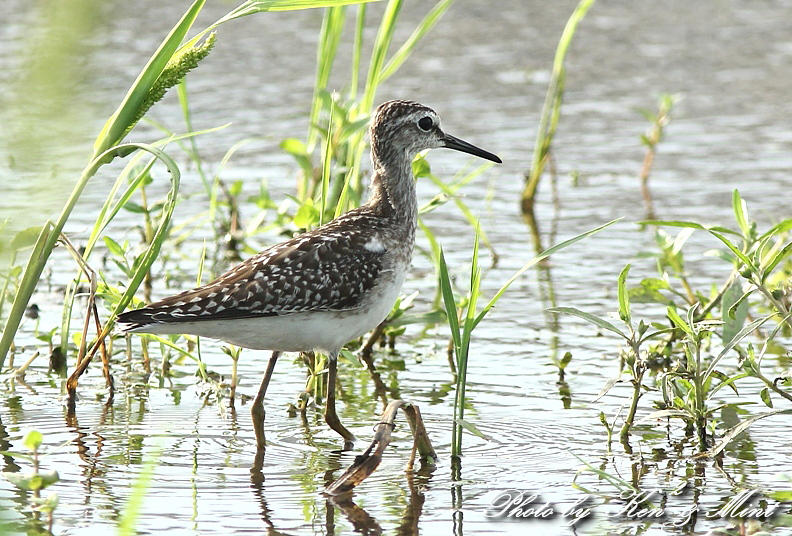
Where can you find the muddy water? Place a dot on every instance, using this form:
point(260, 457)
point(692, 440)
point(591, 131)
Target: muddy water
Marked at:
point(485, 69)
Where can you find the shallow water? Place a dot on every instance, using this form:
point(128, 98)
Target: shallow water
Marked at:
point(485, 70)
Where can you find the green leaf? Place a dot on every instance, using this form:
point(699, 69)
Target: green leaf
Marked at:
point(354, 127)
point(135, 208)
point(648, 291)
point(745, 260)
point(421, 30)
point(420, 167)
point(236, 188)
point(297, 149)
point(679, 323)
point(778, 228)
point(21, 481)
point(734, 342)
point(733, 432)
point(307, 215)
point(608, 385)
point(773, 262)
point(294, 147)
point(470, 427)
point(665, 414)
point(449, 302)
point(25, 238)
point(565, 360)
point(624, 299)
point(690, 224)
point(781, 496)
point(31, 481)
point(48, 478)
point(46, 504)
point(765, 395)
point(113, 247)
point(33, 440)
point(739, 207)
point(733, 317)
point(604, 324)
point(546, 253)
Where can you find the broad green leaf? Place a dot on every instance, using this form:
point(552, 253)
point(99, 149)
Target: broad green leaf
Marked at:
point(733, 317)
point(134, 208)
point(293, 146)
point(25, 238)
point(307, 215)
point(113, 247)
point(648, 291)
point(33, 440)
point(765, 395)
point(565, 360)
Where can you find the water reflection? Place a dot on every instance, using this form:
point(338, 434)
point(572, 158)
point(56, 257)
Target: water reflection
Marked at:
point(547, 294)
point(360, 520)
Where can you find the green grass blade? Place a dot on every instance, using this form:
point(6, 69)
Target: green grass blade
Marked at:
point(546, 253)
point(588, 317)
point(35, 265)
point(552, 105)
point(423, 28)
point(748, 263)
point(690, 224)
point(357, 50)
point(680, 323)
point(777, 258)
point(381, 45)
point(150, 255)
point(127, 524)
point(449, 302)
point(329, 38)
point(326, 169)
point(740, 209)
point(744, 332)
point(736, 430)
point(624, 298)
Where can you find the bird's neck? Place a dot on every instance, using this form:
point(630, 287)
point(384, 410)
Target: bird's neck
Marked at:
point(393, 186)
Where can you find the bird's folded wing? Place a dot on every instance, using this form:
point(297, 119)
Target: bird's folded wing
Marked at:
point(308, 273)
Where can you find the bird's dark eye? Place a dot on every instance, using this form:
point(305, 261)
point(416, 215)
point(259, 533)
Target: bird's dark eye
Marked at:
point(425, 123)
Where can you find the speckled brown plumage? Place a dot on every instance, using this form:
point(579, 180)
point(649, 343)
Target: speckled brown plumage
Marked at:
point(327, 269)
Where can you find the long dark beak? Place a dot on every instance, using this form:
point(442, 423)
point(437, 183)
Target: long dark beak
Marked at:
point(461, 145)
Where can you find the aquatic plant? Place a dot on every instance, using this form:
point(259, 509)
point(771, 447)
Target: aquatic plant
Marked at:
point(551, 111)
point(687, 377)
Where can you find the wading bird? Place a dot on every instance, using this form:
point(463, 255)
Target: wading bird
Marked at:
point(324, 287)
